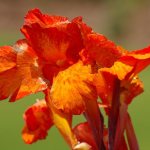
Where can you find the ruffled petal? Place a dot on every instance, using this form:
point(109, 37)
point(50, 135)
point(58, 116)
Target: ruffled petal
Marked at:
point(130, 89)
point(98, 48)
point(83, 133)
point(138, 59)
point(84, 29)
point(30, 74)
point(38, 120)
point(57, 41)
point(24, 78)
point(72, 87)
point(7, 58)
point(129, 65)
point(119, 69)
point(35, 16)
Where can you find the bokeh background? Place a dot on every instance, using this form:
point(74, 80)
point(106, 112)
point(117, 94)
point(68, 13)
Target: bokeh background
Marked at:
point(126, 22)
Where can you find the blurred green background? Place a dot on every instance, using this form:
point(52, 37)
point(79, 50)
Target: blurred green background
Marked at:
point(126, 22)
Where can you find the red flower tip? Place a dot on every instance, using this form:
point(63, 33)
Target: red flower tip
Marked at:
point(37, 122)
point(36, 16)
point(83, 133)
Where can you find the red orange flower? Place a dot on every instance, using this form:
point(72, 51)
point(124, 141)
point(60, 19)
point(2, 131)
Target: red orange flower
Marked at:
point(73, 66)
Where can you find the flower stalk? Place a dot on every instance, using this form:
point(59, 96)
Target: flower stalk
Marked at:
point(132, 140)
point(121, 124)
point(95, 120)
point(114, 114)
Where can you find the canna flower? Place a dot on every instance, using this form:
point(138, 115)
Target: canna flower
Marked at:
point(117, 86)
point(73, 66)
point(57, 46)
point(51, 48)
